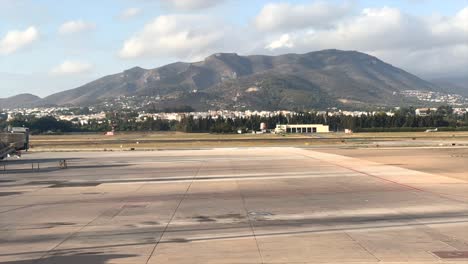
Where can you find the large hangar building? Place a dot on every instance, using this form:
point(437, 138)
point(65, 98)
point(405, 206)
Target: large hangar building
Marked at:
point(302, 128)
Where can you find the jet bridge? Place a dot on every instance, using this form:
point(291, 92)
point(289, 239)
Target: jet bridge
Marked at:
point(13, 141)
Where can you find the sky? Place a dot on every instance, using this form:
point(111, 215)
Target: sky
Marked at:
point(47, 46)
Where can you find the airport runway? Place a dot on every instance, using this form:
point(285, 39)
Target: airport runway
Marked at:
point(246, 205)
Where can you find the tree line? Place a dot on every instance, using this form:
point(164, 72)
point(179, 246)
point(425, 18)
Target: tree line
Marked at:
point(404, 119)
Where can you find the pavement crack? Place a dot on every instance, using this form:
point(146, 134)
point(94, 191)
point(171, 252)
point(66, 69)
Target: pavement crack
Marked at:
point(174, 213)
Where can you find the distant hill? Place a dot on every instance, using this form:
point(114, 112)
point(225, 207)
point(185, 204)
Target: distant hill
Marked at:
point(227, 80)
point(19, 100)
point(456, 85)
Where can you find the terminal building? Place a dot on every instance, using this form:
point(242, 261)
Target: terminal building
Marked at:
point(303, 128)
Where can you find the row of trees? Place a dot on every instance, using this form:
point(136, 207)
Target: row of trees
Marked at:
point(43, 124)
point(402, 120)
point(3, 123)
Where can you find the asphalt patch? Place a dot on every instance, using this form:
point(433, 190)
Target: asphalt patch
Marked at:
point(7, 181)
point(75, 184)
point(9, 193)
point(150, 223)
point(253, 213)
point(56, 224)
point(203, 218)
point(230, 216)
point(452, 254)
point(43, 182)
point(178, 240)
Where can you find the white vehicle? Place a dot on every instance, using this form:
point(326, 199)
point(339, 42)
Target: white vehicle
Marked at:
point(432, 130)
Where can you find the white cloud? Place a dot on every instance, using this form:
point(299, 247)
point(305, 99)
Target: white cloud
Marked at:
point(130, 13)
point(390, 29)
point(457, 24)
point(72, 67)
point(187, 5)
point(461, 19)
point(419, 44)
point(286, 16)
point(180, 36)
point(423, 45)
point(16, 39)
point(431, 62)
point(75, 26)
point(283, 42)
point(373, 29)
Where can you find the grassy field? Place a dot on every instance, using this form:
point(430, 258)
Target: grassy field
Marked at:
point(174, 140)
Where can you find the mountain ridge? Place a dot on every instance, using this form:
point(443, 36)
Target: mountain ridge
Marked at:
point(24, 100)
point(227, 80)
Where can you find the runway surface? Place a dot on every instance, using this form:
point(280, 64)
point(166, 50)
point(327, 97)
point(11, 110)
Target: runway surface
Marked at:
point(245, 205)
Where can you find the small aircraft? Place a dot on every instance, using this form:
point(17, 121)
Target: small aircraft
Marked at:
point(432, 130)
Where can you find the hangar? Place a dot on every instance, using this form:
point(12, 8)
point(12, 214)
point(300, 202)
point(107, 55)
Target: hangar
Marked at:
point(302, 128)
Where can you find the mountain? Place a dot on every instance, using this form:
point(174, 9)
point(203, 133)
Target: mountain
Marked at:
point(227, 80)
point(455, 85)
point(22, 100)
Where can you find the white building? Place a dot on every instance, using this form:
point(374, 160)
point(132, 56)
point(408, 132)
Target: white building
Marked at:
point(302, 128)
point(424, 111)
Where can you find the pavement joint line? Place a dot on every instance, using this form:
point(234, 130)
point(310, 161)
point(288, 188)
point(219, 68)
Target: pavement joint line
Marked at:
point(174, 213)
point(363, 247)
point(228, 179)
point(67, 238)
point(274, 234)
point(14, 209)
point(77, 248)
point(206, 178)
point(249, 218)
point(214, 176)
point(452, 242)
point(48, 252)
point(35, 190)
point(389, 181)
point(439, 236)
point(122, 207)
point(27, 180)
point(310, 226)
point(251, 225)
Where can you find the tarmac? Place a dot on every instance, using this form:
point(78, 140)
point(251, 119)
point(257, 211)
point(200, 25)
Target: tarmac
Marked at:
point(237, 205)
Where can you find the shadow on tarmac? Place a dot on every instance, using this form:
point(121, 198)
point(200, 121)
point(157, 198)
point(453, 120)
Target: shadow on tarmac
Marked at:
point(12, 161)
point(73, 258)
point(55, 167)
point(315, 225)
